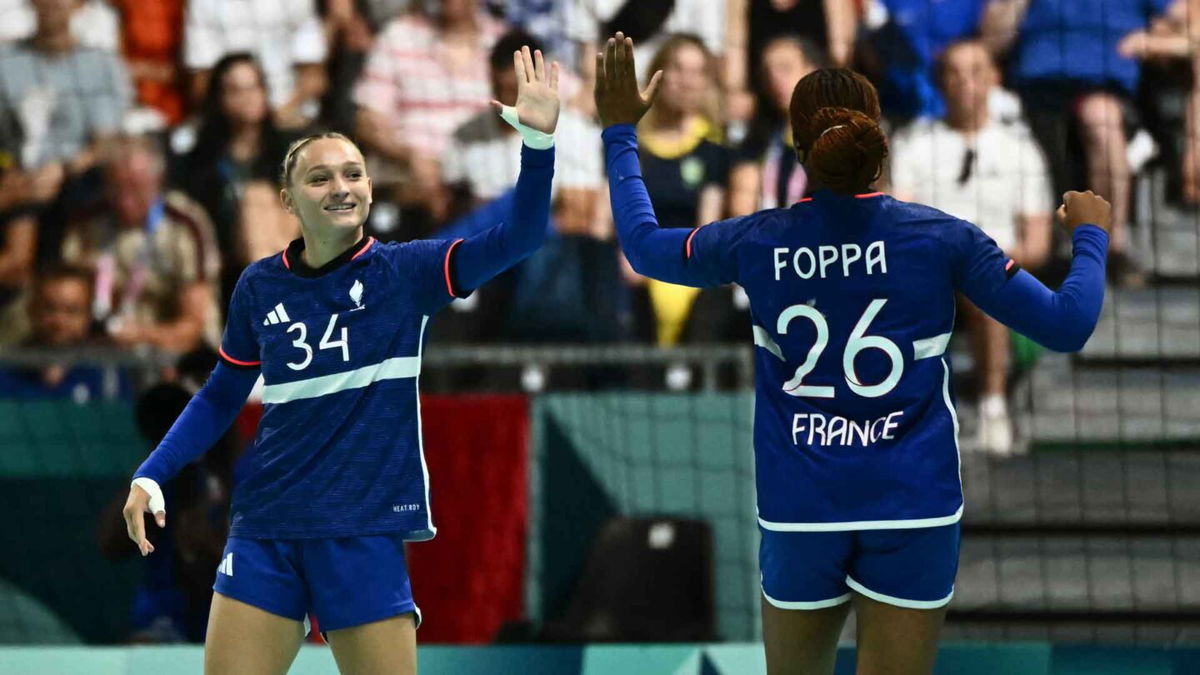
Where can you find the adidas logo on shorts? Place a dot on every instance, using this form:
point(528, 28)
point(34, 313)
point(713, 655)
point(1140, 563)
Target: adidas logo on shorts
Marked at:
point(226, 566)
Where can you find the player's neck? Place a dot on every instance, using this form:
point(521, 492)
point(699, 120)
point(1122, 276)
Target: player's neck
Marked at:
point(319, 250)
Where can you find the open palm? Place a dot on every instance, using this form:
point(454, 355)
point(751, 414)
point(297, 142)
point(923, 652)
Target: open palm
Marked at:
point(537, 91)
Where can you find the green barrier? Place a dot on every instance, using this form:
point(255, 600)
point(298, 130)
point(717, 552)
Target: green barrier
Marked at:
point(599, 455)
point(727, 659)
point(60, 465)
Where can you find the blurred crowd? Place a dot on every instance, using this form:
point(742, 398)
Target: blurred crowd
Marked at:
point(140, 144)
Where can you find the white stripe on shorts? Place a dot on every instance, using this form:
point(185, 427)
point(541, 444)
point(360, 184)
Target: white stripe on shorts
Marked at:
point(898, 602)
point(819, 604)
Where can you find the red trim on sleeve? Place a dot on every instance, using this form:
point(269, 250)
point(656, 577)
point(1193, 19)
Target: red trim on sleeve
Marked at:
point(688, 245)
point(221, 351)
point(285, 262)
point(869, 195)
point(446, 268)
point(370, 242)
point(1009, 264)
point(806, 199)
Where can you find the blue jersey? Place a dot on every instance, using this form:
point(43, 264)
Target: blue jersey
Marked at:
point(852, 300)
point(338, 451)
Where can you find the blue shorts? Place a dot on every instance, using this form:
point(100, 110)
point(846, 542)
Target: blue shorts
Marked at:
point(912, 568)
point(348, 581)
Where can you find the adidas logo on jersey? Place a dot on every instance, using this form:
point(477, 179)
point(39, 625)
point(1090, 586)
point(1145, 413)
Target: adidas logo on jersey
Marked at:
point(277, 315)
point(226, 566)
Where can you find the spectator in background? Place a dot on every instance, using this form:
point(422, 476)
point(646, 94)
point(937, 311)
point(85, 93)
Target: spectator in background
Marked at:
point(1065, 58)
point(685, 168)
point(906, 38)
point(570, 289)
point(285, 36)
point(232, 169)
point(765, 173)
point(93, 23)
point(427, 74)
point(60, 320)
point(58, 100)
point(830, 26)
point(1175, 38)
point(150, 41)
point(154, 253)
point(483, 158)
point(992, 174)
point(649, 22)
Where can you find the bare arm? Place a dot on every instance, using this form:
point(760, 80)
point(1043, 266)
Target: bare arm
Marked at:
point(744, 188)
point(841, 27)
point(16, 257)
point(734, 63)
point(311, 84)
point(180, 335)
point(1034, 247)
point(711, 206)
point(1001, 19)
point(375, 133)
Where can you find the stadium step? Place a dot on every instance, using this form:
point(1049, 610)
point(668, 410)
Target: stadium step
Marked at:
point(1148, 324)
point(1082, 488)
point(1127, 573)
point(1065, 401)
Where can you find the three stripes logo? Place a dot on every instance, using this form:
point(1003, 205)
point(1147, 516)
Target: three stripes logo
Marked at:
point(226, 566)
point(277, 315)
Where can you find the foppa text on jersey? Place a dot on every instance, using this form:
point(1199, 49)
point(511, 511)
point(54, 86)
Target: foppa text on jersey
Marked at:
point(805, 263)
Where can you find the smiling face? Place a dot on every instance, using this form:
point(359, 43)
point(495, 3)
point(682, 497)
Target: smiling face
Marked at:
point(328, 188)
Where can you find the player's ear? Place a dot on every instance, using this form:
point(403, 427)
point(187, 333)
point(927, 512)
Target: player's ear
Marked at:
point(285, 198)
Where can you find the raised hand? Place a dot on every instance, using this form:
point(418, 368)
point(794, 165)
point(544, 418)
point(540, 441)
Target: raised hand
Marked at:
point(1085, 208)
point(618, 100)
point(537, 91)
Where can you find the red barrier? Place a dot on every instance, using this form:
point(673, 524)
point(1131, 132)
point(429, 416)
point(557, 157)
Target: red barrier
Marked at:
point(469, 579)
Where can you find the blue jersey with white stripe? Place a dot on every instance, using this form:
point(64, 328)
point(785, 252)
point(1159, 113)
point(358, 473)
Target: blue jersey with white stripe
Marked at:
point(853, 302)
point(338, 451)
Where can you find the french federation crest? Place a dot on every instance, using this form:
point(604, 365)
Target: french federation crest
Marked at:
point(356, 292)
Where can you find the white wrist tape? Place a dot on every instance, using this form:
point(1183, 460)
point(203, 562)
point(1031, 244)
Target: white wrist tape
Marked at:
point(157, 503)
point(535, 139)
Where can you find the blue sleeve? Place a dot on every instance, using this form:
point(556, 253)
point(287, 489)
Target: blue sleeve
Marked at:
point(523, 228)
point(1061, 321)
point(205, 419)
point(653, 251)
point(239, 346)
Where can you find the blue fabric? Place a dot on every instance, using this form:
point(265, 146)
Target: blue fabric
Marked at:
point(852, 300)
point(915, 565)
point(1077, 40)
point(348, 581)
point(205, 419)
point(486, 254)
point(907, 46)
point(338, 451)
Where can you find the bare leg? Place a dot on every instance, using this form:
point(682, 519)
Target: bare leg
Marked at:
point(989, 346)
point(895, 640)
point(245, 639)
point(387, 647)
point(802, 642)
point(1108, 166)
